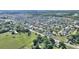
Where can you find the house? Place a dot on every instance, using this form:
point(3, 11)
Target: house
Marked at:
point(76, 24)
point(63, 32)
point(13, 31)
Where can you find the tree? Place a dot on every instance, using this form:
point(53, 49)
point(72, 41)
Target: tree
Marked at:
point(43, 42)
point(29, 33)
point(62, 45)
point(52, 41)
point(37, 46)
point(39, 38)
point(49, 43)
point(37, 42)
point(49, 46)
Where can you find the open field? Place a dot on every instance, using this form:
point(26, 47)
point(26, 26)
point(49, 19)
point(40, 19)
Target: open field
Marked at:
point(20, 40)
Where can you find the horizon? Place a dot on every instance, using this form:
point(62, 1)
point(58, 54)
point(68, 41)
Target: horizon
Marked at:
point(36, 11)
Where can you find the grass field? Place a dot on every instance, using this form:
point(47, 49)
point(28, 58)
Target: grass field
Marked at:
point(22, 40)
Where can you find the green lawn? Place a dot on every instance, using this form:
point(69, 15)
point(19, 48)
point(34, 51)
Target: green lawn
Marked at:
point(20, 40)
point(62, 38)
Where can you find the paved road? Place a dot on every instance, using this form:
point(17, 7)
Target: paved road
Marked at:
point(36, 32)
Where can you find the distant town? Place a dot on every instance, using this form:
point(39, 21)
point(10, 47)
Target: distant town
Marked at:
point(39, 29)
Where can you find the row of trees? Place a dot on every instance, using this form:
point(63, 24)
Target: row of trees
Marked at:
point(46, 43)
point(14, 27)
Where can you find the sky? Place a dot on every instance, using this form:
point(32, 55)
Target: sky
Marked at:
point(39, 4)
